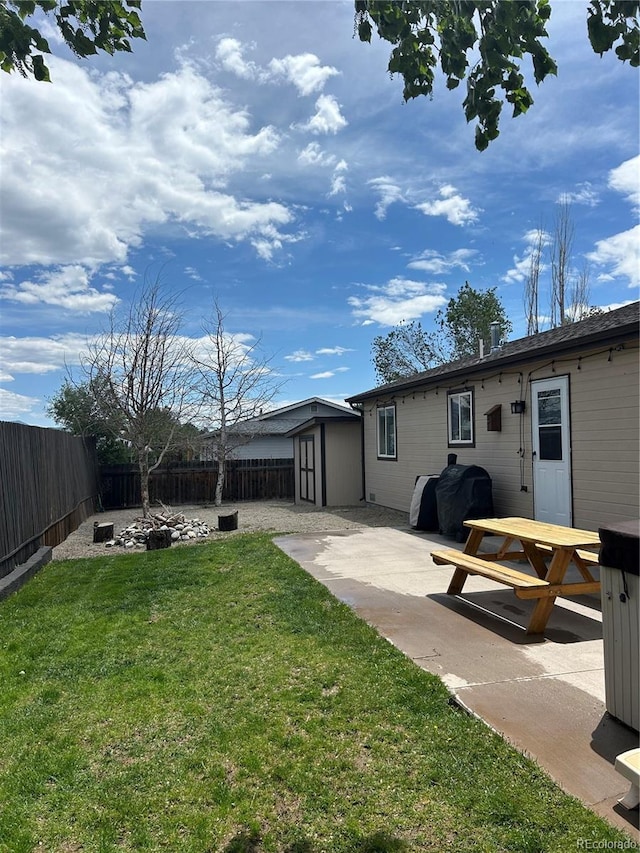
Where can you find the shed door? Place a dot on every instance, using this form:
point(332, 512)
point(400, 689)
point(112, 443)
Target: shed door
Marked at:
point(307, 469)
point(551, 450)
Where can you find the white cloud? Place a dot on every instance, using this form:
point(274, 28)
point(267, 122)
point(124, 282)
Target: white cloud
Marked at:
point(313, 155)
point(299, 355)
point(327, 118)
point(339, 182)
point(389, 193)
point(304, 71)
point(271, 241)
point(327, 374)
point(522, 263)
point(620, 254)
point(39, 355)
point(237, 346)
point(183, 143)
point(67, 287)
point(193, 273)
point(333, 350)
point(625, 179)
point(520, 269)
point(583, 194)
point(454, 207)
point(13, 406)
point(397, 301)
point(230, 55)
point(338, 185)
point(436, 263)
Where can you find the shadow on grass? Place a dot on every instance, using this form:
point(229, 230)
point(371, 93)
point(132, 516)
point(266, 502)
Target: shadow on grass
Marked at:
point(379, 842)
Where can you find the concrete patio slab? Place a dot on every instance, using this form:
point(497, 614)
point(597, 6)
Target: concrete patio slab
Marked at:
point(545, 694)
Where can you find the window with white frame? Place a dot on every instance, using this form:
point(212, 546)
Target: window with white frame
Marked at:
point(460, 417)
point(386, 432)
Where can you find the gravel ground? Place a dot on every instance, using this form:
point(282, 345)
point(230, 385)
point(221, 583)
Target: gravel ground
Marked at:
point(276, 516)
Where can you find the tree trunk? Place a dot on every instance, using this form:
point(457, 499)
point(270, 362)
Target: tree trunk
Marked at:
point(143, 465)
point(222, 464)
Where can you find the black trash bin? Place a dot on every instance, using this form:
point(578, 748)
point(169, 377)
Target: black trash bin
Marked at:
point(620, 591)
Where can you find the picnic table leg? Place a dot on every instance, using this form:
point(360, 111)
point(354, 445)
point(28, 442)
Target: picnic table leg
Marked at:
point(459, 576)
point(583, 568)
point(473, 542)
point(536, 559)
point(541, 612)
point(502, 550)
point(457, 582)
point(540, 615)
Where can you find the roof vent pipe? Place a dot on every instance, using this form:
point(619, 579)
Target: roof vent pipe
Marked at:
point(495, 337)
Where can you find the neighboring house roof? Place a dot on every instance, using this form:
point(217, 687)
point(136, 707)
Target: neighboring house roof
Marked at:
point(257, 426)
point(618, 324)
point(273, 422)
point(274, 413)
point(352, 416)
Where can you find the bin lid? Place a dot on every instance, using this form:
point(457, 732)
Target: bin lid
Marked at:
point(620, 546)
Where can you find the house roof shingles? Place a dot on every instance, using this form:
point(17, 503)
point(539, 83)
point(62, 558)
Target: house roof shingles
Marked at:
point(617, 324)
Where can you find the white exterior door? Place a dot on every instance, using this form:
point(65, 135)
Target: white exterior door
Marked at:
point(551, 442)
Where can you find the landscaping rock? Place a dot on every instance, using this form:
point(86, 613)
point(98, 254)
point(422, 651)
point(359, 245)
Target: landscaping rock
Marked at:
point(161, 530)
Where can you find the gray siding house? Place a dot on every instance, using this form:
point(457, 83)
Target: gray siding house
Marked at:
point(553, 418)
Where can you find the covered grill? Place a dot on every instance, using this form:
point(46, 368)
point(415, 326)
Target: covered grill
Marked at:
point(462, 492)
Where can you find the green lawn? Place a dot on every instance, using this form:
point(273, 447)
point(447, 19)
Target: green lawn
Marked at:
point(217, 698)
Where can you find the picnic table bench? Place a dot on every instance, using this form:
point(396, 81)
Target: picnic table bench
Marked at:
point(539, 542)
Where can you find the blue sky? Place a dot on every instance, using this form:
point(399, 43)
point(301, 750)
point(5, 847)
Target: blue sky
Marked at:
point(259, 154)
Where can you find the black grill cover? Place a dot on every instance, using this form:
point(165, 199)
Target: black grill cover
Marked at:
point(620, 548)
point(463, 491)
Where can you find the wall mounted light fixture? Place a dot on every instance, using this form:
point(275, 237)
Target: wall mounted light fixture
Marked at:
point(518, 407)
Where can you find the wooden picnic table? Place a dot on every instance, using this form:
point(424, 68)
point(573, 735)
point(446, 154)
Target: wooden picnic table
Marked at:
point(549, 548)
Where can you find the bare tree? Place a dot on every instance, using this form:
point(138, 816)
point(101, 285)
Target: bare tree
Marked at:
point(144, 370)
point(569, 287)
point(561, 257)
point(236, 384)
point(532, 284)
point(581, 293)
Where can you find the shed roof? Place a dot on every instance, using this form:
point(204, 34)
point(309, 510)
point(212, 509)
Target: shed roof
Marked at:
point(617, 325)
point(349, 418)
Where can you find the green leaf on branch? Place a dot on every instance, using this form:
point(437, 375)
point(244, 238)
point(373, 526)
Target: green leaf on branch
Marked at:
point(40, 70)
point(497, 36)
point(364, 31)
point(86, 27)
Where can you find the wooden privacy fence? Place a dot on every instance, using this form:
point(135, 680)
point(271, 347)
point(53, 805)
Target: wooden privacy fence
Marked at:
point(48, 486)
point(195, 482)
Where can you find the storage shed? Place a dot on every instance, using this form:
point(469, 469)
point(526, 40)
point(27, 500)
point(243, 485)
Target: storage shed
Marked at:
point(328, 461)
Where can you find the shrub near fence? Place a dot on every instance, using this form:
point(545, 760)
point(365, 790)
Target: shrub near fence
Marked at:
point(48, 486)
point(195, 482)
